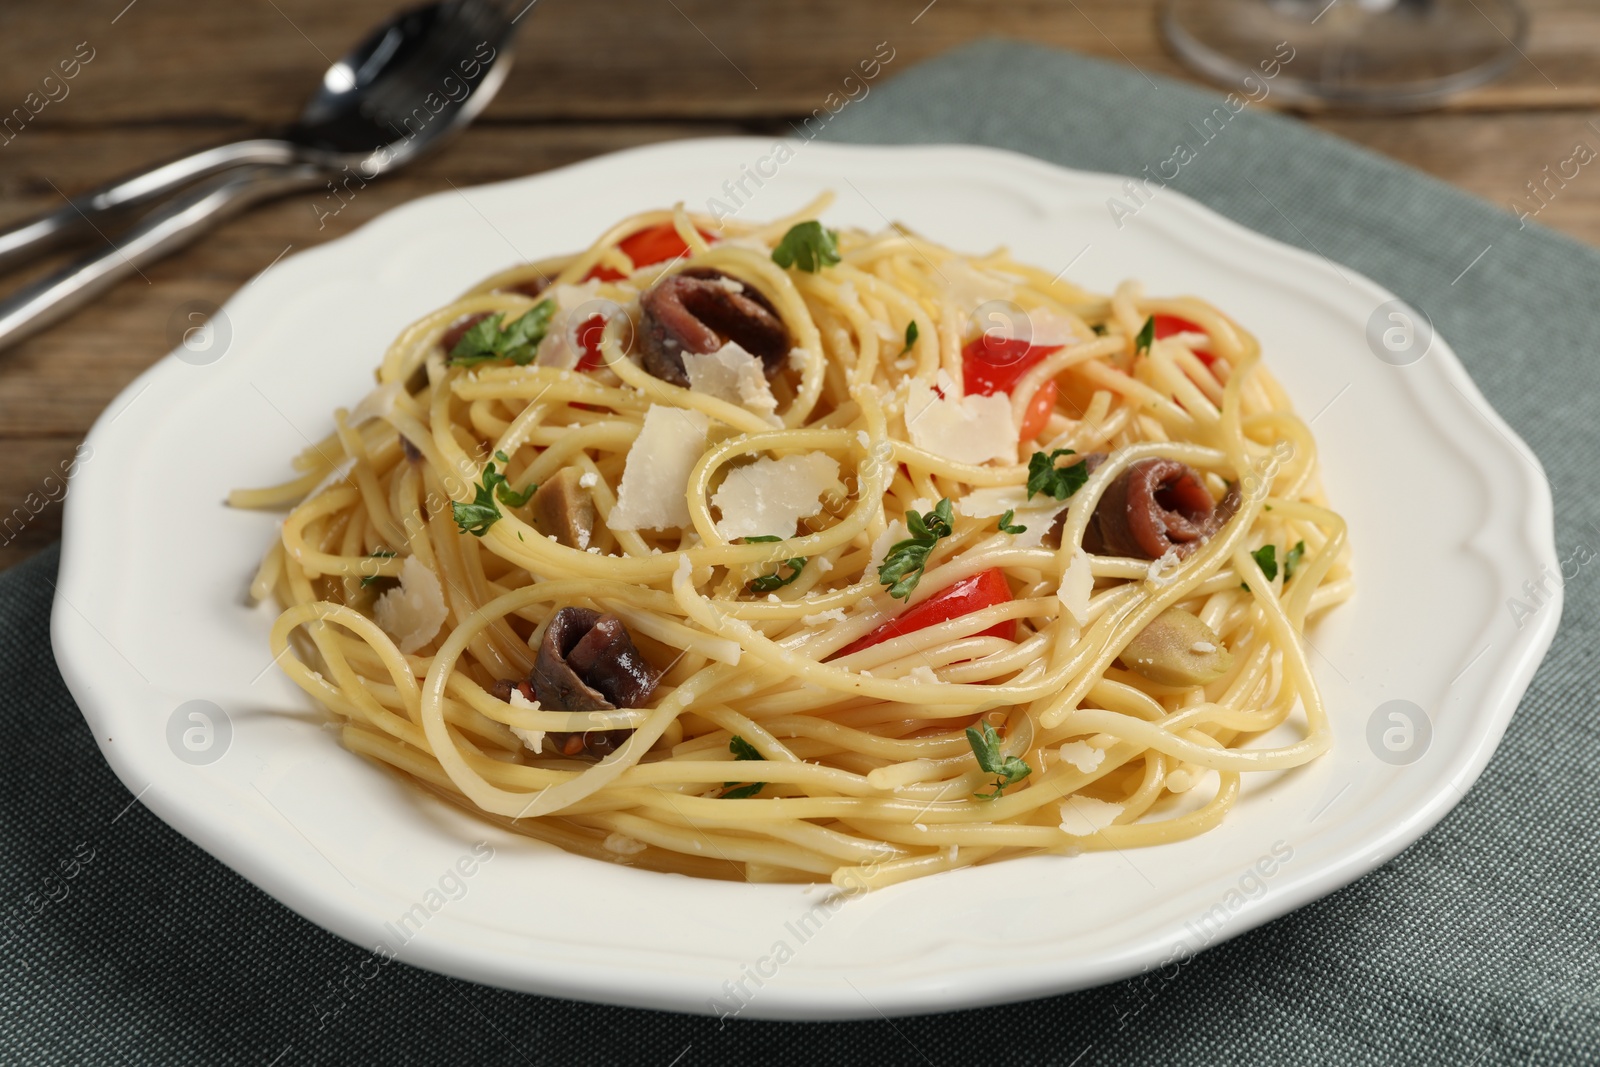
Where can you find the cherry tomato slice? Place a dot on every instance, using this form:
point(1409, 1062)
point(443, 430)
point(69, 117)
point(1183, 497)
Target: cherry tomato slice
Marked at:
point(982, 590)
point(653, 244)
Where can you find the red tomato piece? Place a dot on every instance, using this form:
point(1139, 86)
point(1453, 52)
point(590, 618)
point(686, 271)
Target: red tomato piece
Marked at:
point(991, 365)
point(653, 244)
point(1169, 325)
point(589, 335)
point(982, 590)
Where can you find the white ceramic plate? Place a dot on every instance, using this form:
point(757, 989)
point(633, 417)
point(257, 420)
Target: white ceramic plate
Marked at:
point(1449, 516)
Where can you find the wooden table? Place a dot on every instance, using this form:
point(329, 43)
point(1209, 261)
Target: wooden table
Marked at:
point(169, 76)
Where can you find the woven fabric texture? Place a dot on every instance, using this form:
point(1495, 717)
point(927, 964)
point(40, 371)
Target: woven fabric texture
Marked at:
point(124, 943)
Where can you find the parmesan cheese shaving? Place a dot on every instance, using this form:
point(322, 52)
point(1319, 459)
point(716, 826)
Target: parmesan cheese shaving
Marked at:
point(896, 532)
point(771, 496)
point(732, 374)
point(412, 612)
point(1083, 816)
point(973, 429)
point(378, 403)
point(1077, 585)
point(1082, 755)
point(655, 477)
point(560, 348)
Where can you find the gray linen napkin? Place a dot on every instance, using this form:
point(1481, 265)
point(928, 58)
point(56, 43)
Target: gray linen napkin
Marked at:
point(123, 943)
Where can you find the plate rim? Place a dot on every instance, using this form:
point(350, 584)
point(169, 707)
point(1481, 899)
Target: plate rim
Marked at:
point(88, 678)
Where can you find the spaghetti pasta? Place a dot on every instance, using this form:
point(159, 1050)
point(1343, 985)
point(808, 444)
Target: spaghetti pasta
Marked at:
point(774, 553)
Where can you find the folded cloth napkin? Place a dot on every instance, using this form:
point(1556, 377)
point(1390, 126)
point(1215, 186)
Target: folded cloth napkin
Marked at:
point(124, 943)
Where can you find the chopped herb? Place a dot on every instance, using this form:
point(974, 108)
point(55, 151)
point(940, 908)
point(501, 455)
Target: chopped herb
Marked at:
point(1007, 526)
point(911, 336)
point(743, 750)
point(1099, 329)
point(1266, 558)
point(1147, 336)
point(486, 342)
point(384, 553)
point(905, 561)
point(476, 518)
point(807, 246)
point(1008, 770)
point(768, 583)
point(1291, 559)
point(1060, 482)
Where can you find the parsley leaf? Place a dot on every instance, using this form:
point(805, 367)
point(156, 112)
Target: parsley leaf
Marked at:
point(768, 583)
point(1291, 559)
point(476, 518)
point(1007, 526)
point(743, 750)
point(384, 553)
point(1008, 770)
point(1099, 329)
point(911, 336)
point(1060, 482)
point(905, 561)
point(1266, 558)
point(1147, 336)
point(807, 246)
point(486, 342)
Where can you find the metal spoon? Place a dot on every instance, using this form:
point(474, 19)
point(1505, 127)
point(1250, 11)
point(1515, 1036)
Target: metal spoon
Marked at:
point(412, 83)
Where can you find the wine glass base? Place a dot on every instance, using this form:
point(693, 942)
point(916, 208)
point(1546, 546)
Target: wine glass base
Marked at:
point(1353, 54)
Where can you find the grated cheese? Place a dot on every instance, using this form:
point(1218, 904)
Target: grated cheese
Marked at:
point(534, 739)
point(655, 477)
point(589, 479)
point(623, 845)
point(831, 615)
point(1155, 573)
point(771, 496)
point(972, 429)
point(412, 612)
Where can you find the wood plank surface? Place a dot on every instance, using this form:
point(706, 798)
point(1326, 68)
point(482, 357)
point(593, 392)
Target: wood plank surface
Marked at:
point(157, 78)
